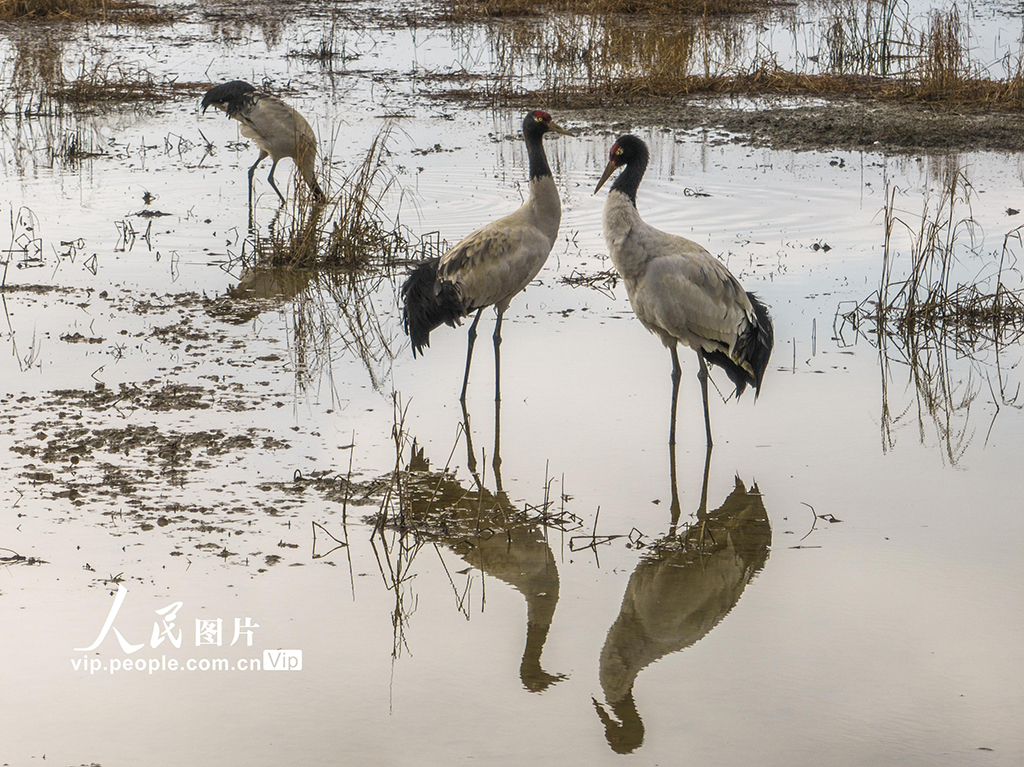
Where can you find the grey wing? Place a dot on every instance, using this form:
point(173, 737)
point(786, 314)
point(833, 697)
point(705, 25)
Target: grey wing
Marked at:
point(691, 295)
point(494, 263)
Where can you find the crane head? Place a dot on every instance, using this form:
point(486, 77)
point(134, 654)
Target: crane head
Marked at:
point(541, 120)
point(228, 96)
point(625, 150)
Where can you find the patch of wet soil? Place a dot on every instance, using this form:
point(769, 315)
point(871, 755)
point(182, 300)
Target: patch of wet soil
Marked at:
point(138, 456)
point(840, 125)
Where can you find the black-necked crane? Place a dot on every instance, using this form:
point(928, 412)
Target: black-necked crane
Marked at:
point(278, 130)
point(679, 291)
point(491, 265)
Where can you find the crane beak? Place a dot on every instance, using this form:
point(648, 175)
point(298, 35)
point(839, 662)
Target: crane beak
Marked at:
point(608, 171)
point(558, 129)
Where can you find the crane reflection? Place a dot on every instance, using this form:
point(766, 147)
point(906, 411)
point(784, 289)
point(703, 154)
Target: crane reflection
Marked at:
point(495, 538)
point(687, 582)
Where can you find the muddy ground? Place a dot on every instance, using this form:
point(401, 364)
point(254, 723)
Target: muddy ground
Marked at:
point(785, 124)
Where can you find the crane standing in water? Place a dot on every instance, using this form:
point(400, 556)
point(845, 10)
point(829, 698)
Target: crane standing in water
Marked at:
point(278, 130)
point(493, 264)
point(679, 291)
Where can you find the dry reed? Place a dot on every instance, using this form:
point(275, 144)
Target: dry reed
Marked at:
point(475, 10)
point(106, 10)
point(350, 231)
point(923, 317)
point(582, 56)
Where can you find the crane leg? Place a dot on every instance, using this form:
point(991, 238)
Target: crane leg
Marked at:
point(469, 353)
point(497, 356)
point(677, 373)
point(470, 453)
point(702, 512)
point(702, 376)
point(674, 509)
point(496, 463)
point(270, 178)
point(252, 170)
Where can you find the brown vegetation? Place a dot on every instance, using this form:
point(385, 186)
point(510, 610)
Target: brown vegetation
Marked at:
point(349, 231)
point(928, 298)
point(472, 10)
point(923, 318)
point(112, 10)
point(590, 58)
point(40, 84)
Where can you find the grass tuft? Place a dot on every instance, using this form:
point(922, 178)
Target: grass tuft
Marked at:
point(928, 320)
point(350, 231)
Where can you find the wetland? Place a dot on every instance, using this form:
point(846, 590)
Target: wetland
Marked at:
point(221, 458)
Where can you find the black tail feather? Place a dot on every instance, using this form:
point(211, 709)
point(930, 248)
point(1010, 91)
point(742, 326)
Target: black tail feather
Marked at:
point(428, 304)
point(754, 346)
point(759, 342)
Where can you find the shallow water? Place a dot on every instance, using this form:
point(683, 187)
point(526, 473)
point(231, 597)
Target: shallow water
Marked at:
point(861, 605)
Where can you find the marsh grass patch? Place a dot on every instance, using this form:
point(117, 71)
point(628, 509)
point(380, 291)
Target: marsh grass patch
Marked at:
point(588, 58)
point(921, 289)
point(121, 11)
point(45, 82)
point(475, 10)
point(100, 82)
point(926, 318)
point(350, 230)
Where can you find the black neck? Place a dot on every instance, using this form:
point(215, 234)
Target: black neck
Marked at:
point(629, 180)
point(535, 151)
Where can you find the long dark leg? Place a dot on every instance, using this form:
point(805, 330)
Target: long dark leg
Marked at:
point(704, 488)
point(674, 508)
point(702, 512)
point(252, 170)
point(497, 399)
point(702, 376)
point(496, 463)
point(497, 356)
point(470, 453)
point(270, 178)
point(469, 353)
point(677, 373)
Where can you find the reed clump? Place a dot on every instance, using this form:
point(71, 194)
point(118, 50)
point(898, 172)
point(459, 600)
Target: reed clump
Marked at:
point(44, 82)
point(99, 81)
point(920, 291)
point(74, 10)
point(351, 230)
point(926, 318)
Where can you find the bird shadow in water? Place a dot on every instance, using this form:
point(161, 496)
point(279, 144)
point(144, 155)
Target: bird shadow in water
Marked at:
point(495, 539)
point(686, 583)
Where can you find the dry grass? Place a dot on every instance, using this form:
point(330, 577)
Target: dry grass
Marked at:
point(476, 10)
point(874, 38)
point(918, 290)
point(350, 231)
point(98, 81)
point(41, 83)
point(105, 10)
point(926, 319)
point(591, 58)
